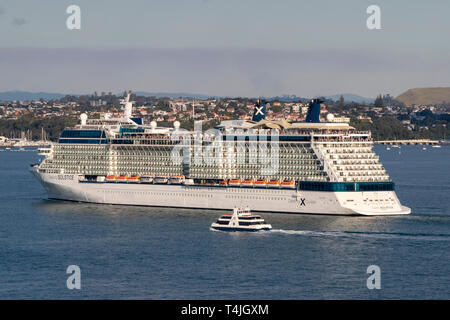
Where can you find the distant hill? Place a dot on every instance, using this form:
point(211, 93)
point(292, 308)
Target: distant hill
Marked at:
point(424, 96)
point(25, 95)
point(350, 97)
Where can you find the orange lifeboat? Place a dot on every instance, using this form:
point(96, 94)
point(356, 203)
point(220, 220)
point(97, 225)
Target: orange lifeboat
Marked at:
point(122, 178)
point(223, 182)
point(176, 179)
point(247, 183)
point(161, 179)
point(289, 184)
point(148, 178)
point(235, 182)
point(260, 183)
point(111, 178)
point(274, 183)
point(133, 179)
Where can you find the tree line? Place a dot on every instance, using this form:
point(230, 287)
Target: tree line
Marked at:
point(52, 126)
point(389, 128)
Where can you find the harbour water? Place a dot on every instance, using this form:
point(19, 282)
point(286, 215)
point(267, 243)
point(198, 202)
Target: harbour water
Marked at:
point(159, 253)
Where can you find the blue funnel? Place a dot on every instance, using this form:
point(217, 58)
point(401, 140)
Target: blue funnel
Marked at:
point(259, 113)
point(313, 111)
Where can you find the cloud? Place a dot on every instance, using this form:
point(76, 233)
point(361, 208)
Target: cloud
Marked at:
point(18, 22)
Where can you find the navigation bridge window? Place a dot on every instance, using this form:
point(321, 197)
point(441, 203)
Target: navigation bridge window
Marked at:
point(83, 136)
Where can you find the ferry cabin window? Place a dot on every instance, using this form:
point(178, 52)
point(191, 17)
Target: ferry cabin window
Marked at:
point(249, 223)
point(249, 218)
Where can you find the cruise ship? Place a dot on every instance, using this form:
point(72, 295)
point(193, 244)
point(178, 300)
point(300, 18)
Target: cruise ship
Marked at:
point(309, 167)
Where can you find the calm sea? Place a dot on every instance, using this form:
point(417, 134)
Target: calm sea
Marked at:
point(153, 253)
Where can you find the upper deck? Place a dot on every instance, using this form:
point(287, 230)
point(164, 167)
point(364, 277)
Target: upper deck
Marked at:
point(235, 149)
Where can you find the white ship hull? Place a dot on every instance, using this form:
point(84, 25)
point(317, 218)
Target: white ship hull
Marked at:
point(67, 187)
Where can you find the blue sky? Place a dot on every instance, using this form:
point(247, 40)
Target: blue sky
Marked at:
point(240, 48)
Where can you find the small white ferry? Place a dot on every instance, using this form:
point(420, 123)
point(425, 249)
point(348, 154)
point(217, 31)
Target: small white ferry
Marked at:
point(241, 220)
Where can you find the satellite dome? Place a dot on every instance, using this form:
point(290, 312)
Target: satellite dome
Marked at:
point(176, 124)
point(153, 124)
point(330, 117)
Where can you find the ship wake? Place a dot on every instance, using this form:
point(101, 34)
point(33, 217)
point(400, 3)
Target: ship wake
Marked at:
point(371, 235)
